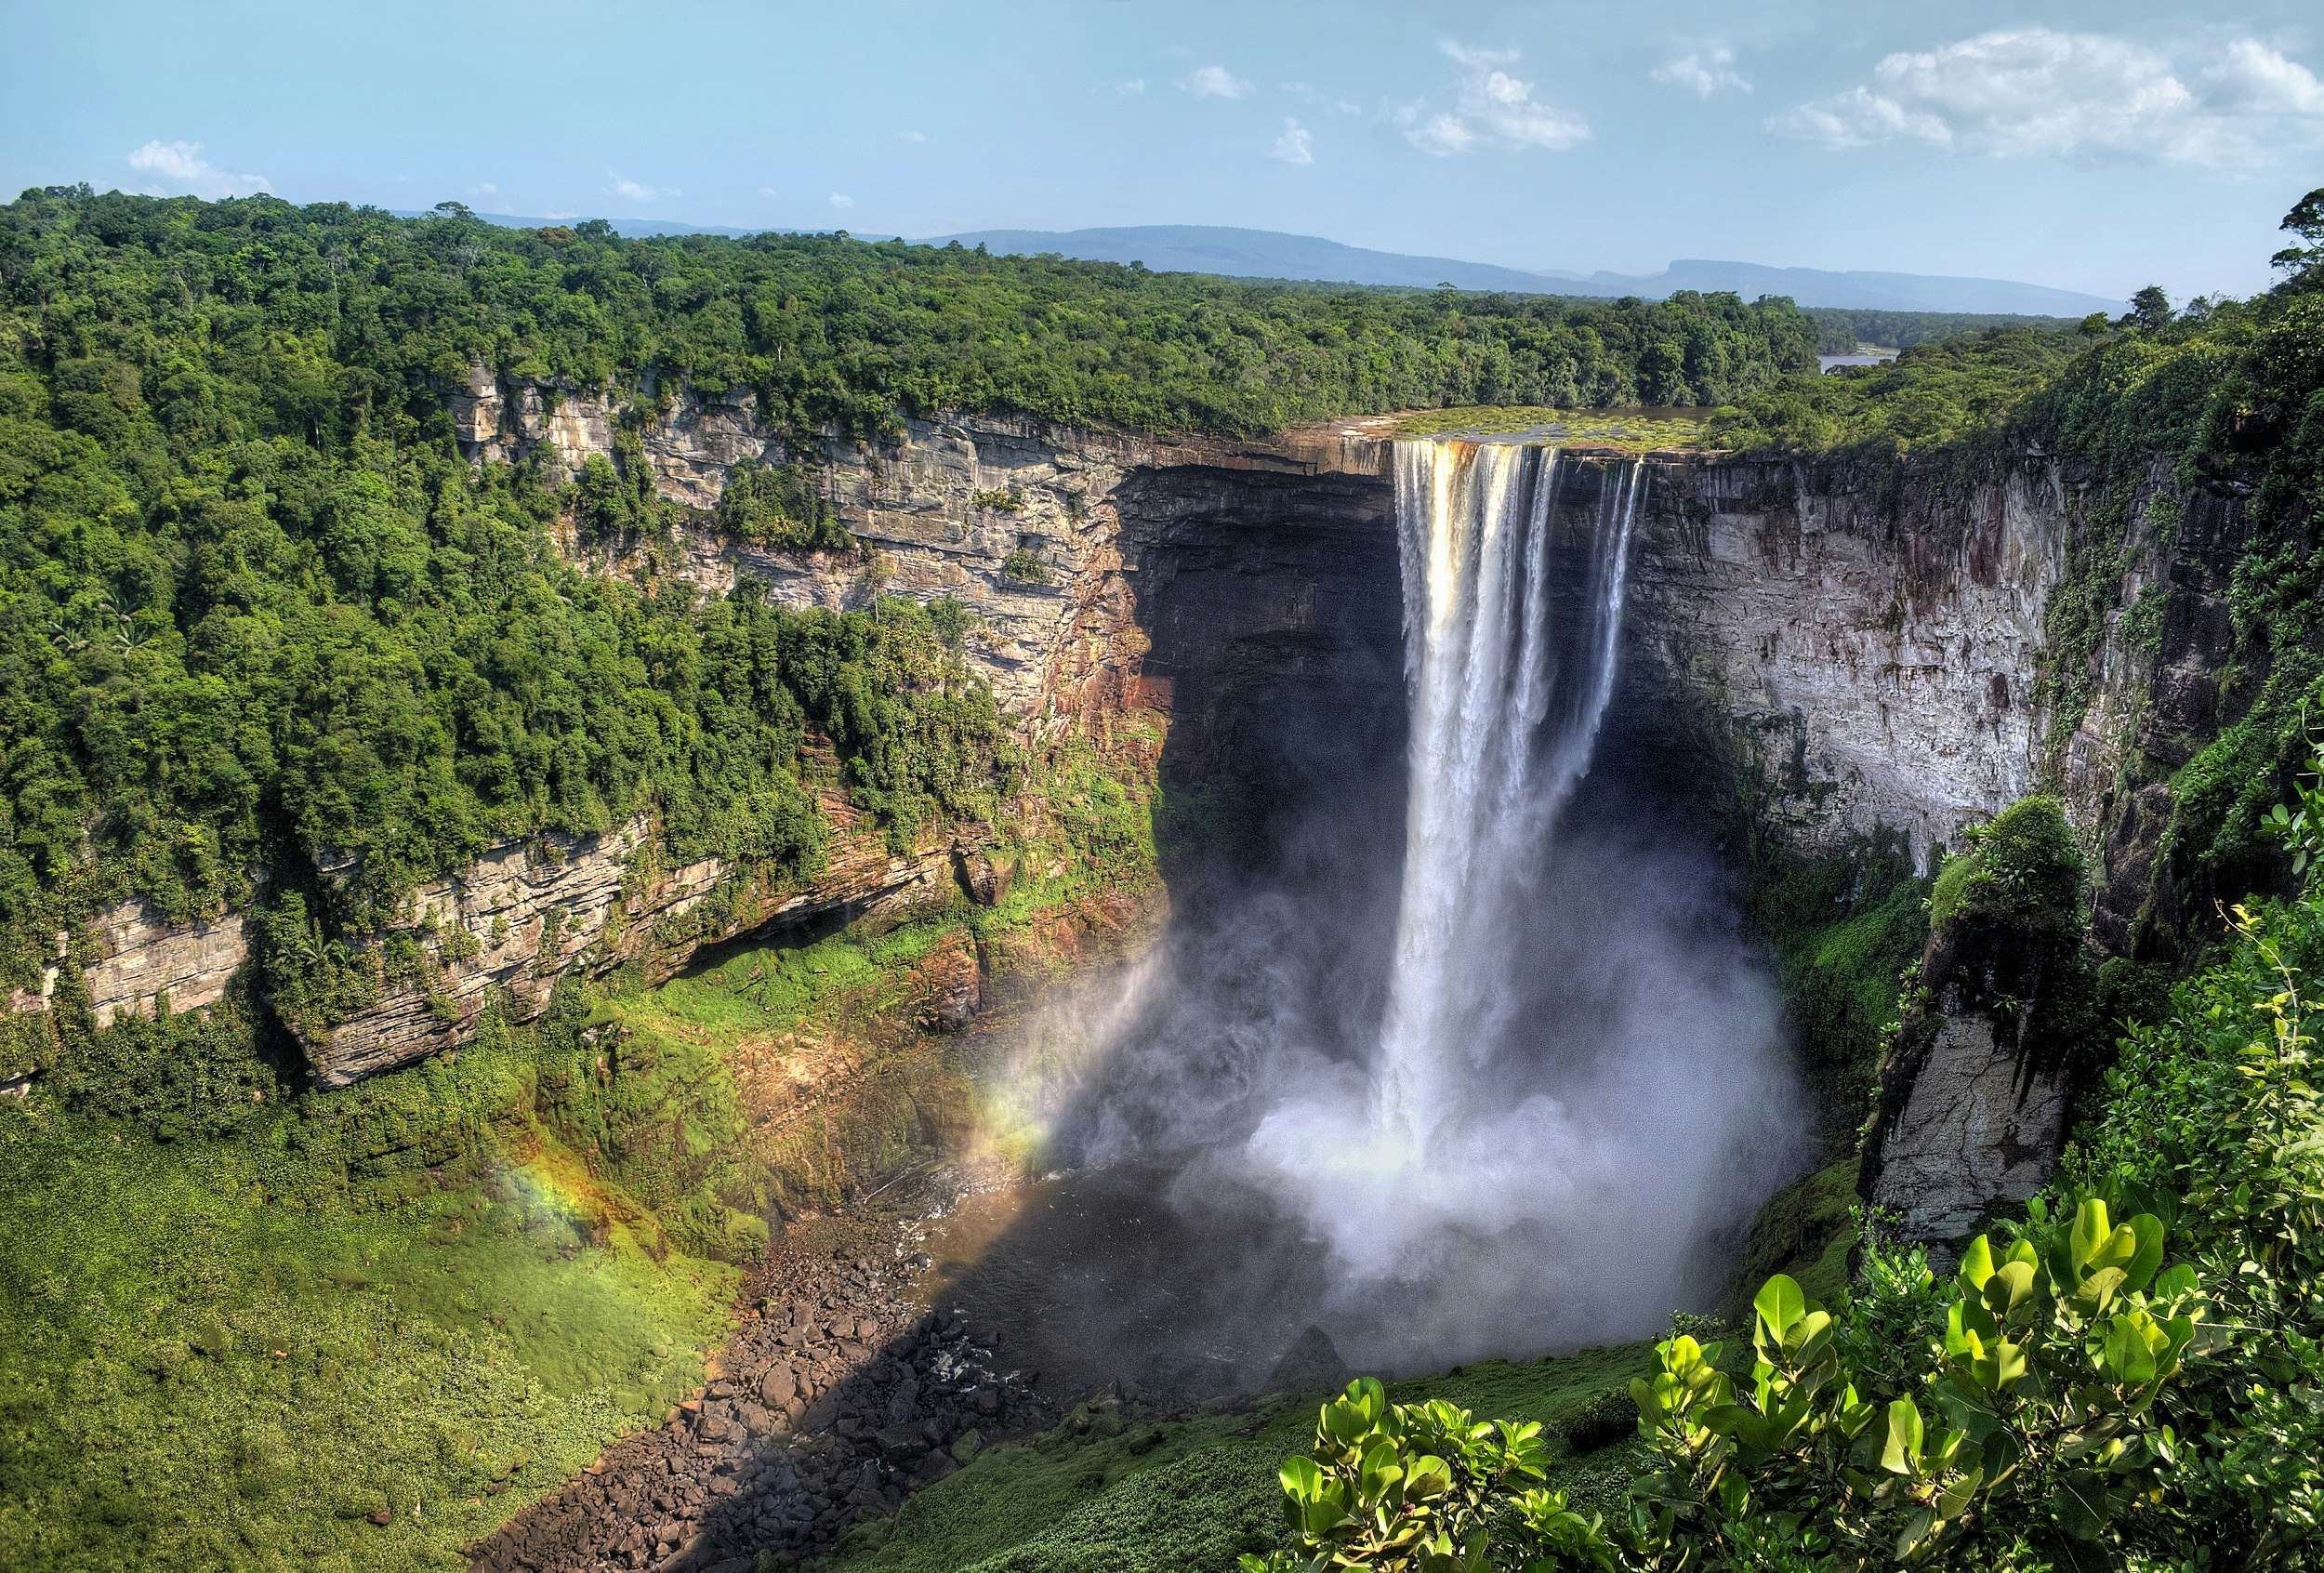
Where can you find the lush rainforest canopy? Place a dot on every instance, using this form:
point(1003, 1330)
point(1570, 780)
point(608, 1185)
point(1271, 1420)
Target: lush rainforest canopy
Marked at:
point(257, 610)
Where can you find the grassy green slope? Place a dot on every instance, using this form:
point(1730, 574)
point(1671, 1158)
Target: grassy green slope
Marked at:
point(477, 1270)
point(1188, 1494)
point(209, 1361)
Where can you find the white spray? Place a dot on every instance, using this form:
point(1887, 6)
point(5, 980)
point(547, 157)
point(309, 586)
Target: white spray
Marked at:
point(1573, 1091)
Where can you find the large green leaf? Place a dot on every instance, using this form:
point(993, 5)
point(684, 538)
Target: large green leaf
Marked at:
point(1780, 1302)
point(1900, 1449)
point(2146, 1229)
point(2080, 1504)
point(1976, 1264)
point(2086, 1239)
point(1954, 1500)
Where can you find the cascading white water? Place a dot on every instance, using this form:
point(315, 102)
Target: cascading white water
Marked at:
point(1553, 1120)
point(1510, 672)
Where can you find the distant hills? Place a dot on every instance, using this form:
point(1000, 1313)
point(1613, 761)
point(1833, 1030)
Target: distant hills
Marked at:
point(1267, 253)
point(1262, 254)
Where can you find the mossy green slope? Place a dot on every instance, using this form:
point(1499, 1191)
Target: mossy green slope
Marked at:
point(1190, 1493)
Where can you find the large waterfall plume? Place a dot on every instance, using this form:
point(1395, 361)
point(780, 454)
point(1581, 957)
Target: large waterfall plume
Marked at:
point(1508, 682)
point(1525, 1095)
point(1579, 1091)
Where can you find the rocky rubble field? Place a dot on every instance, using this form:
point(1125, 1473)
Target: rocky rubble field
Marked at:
point(836, 1395)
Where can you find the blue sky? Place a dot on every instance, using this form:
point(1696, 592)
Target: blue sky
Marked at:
point(2097, 147)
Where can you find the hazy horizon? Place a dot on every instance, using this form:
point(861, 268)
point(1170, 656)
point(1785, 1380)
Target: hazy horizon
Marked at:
point(2081, 147)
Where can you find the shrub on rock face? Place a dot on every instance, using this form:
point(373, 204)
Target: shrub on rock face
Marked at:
point(2007, 929)
point(1995, 1031)
point(778, 504)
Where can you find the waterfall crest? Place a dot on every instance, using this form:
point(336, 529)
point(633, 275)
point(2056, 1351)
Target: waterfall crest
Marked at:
point(1512, 630)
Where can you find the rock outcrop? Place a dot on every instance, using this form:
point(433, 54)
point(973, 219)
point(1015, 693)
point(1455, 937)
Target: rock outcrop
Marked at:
point(143, 959)
point(1973, 1098)
point(1014, 516)
point(1977, 1127)
point(528, 912)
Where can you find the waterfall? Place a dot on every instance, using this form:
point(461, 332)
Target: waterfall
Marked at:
point(1510, 634)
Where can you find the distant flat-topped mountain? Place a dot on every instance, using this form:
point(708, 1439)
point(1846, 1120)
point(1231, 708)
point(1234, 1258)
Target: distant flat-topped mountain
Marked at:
point(1195, 248)
point(1262, 254)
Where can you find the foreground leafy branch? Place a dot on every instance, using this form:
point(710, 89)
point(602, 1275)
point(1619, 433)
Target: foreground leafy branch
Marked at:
point(2030, 1430)
point(2035, 1415)
point(1426, 1488)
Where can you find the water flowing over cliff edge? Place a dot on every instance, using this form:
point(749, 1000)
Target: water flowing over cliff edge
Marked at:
point(1490, 663)
point(1407, 1088)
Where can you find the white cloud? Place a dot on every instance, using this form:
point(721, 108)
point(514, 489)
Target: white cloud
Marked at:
point(1705, 73)
point(1308, 95)
point(1295, 145)
point(179, 167)
point(1215, 81)
point(913, 136)
point(1492, 109)
point(484, 187)
point(769, 192)
point(840, 199)
point(623, 186)
point(2085, 97)
point(1135, 85)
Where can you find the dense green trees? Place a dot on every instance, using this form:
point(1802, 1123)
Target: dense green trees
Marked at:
point(1933, 394)
point(832, 331)
point(254, 611)
point(1839, 329)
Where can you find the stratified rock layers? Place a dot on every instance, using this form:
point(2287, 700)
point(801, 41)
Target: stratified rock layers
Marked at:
point(145, 961)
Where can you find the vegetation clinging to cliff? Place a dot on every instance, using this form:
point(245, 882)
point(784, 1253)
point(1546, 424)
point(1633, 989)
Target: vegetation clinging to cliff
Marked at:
point(2210, 412)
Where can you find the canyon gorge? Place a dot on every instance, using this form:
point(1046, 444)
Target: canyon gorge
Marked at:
point(1862, 651)
point(790, 904)
point(1610, 665)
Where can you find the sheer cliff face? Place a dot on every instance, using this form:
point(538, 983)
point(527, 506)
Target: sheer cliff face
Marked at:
point(1261, 581)
point(1871, 652)
point(2160, 693)
point(1872, 656)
